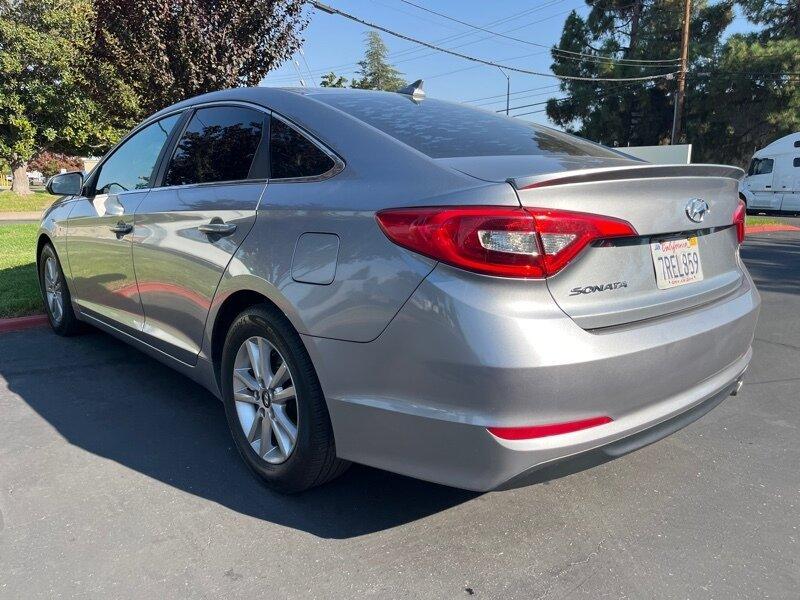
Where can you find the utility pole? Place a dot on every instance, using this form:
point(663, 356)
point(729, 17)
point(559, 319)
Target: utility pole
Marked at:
point(680, 96)
point(508, 90)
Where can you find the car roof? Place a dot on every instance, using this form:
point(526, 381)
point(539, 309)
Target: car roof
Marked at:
point(263, 96)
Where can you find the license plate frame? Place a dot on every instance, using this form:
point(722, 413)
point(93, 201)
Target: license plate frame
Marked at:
point(676, 261)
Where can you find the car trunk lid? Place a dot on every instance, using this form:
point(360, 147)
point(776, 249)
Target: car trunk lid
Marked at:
point(614, 282)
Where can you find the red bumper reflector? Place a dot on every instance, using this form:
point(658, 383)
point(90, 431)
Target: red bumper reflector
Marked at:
point(540, 431)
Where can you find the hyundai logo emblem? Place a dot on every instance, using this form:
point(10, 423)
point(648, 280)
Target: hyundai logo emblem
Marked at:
point(696, 209)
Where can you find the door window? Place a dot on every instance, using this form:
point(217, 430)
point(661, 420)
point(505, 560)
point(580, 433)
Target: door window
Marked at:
point(796, 162)
point(131, 165)
point(763, 166)
point(219, 144)
point(293, 155)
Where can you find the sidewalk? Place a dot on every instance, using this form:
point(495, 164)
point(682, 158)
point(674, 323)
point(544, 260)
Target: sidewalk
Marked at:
point(34, 216)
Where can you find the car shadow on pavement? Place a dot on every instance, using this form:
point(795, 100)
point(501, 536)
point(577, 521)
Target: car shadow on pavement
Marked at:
point(113, 401)
point(772, 261)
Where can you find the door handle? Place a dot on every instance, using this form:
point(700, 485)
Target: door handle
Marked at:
point(217, 227)
point(121, 228)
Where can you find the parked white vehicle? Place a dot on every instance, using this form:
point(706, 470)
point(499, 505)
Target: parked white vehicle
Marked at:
point(773, 179)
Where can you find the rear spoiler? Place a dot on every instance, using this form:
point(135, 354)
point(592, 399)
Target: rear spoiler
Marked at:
point(645, 171)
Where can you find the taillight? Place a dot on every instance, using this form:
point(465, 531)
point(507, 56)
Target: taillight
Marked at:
point(739, 216)
point(540, 431)
point(506, 242)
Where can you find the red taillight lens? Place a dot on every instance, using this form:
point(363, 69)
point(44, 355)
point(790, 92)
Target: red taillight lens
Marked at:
point(507, 242)
point(540, 431)
point(739, 216)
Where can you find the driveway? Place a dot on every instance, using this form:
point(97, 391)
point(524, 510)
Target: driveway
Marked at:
point(118, 478)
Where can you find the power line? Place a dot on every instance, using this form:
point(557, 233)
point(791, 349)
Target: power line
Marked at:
point(305, 62)
point(631, 61)
point(449, 38)
point(402, 36)
point(602, 94)
point(513, 93)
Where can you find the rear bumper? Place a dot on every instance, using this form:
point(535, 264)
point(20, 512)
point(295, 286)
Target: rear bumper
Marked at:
point(620, 447)
point(455, 360)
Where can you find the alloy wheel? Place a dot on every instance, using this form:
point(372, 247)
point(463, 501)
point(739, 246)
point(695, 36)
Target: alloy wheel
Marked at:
point(53, 291)
point(266, 402)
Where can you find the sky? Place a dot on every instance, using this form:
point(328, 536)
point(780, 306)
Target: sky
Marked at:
point(333, 43)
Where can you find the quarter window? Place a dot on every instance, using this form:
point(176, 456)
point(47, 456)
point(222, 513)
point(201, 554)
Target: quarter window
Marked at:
point(293, 155)
point(219, 144)
point(131, 166)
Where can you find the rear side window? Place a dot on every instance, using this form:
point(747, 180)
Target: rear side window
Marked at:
point(293, 155)
point(796, 162)
point(445, 129)
point(131, 165)
point(219, 144)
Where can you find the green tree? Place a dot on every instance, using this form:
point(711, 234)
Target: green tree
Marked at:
point(750, 94)
point(747, 99)
point(780, 18)
point(168, 50)
point(45, 96)
point(332, 80)
point(630, 113)
point(375, 71)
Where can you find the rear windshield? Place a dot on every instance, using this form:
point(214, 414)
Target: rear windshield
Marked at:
point(446, 129)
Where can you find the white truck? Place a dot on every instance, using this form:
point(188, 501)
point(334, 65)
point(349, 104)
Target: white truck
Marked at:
point(772, 182)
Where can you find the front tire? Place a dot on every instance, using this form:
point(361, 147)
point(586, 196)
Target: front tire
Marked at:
point(55, 294)
point(274, 404)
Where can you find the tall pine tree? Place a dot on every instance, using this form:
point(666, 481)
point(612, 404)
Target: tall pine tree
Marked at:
point(375, 71)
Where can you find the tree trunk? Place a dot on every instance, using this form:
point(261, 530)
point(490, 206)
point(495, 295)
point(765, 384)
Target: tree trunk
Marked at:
point(19, 178)
point(636, 15)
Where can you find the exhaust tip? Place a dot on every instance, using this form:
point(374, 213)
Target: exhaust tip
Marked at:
point(737, 386)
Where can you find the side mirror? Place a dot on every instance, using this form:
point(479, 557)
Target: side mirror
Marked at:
point(65, 184)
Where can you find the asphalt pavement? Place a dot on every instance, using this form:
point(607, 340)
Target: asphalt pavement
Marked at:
point(118, 479)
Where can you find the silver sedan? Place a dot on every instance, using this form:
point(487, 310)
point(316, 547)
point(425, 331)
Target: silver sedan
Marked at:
point(407, 283)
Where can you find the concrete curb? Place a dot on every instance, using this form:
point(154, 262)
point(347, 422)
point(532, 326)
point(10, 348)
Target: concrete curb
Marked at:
point(768, 228)
point(21, 323)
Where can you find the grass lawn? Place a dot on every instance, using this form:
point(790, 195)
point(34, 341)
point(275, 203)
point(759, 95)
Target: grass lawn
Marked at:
point(19, 289)
point(36, 202)
point(761, 220)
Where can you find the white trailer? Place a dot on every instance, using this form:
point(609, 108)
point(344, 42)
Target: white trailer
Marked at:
point(772, 182)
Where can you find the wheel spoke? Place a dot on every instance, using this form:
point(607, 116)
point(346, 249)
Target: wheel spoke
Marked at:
point(54, 301)
point(242, 396)
point(50, 271)
point(255, 359)
point(251, 435)
point(246, 379)
point(265, 372)
point(284, 430)
point(266, 438)
point(284, 395)
point(281, 373)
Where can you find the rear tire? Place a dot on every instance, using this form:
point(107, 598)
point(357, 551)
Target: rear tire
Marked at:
point(55, 294)
point(274, 404)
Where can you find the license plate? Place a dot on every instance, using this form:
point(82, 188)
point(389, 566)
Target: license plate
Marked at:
point(677, 262)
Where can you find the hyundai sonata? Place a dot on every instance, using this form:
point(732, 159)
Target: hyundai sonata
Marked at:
point(407, 283)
